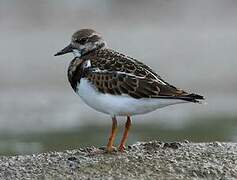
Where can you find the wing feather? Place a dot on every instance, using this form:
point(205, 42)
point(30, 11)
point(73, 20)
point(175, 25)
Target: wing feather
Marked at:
point(114, 73)
point(117, 83)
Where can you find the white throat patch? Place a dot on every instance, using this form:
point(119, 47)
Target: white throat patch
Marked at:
point(76, 53)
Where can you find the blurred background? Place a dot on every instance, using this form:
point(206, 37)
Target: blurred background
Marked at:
point(191, 44)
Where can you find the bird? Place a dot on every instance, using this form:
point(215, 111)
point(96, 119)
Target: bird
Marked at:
point(116, 84)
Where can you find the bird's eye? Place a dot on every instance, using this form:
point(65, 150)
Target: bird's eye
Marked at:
point(82, 41)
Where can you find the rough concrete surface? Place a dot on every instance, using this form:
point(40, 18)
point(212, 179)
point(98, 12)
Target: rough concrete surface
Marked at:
point(143, 160)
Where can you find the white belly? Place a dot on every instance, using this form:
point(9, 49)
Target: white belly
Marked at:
point(120, 105)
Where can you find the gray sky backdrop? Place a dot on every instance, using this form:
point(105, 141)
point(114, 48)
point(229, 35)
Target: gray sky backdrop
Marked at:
point(191, 44)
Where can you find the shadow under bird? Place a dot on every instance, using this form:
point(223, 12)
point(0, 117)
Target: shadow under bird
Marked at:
point(116, 84)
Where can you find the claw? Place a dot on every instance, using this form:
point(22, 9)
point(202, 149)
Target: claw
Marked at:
point(111, 149)
point(122, 148)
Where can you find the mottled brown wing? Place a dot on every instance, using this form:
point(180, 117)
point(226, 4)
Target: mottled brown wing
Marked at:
point(110, 60)
point(133, 74)
point(122, 83)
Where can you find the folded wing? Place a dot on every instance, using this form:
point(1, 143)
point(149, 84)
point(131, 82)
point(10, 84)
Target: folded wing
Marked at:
point(114, 73)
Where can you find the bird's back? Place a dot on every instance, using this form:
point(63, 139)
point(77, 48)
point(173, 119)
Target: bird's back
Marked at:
point(113, 64)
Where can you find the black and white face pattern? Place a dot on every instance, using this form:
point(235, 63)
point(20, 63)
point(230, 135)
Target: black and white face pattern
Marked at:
point(86, 40)
point(83, 42)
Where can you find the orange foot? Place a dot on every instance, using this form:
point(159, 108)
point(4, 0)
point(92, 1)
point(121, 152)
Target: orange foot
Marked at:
point(122, 148)
point(111, 149)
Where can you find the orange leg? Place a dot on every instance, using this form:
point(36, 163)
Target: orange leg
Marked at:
point(110, 144)
point(125, 134)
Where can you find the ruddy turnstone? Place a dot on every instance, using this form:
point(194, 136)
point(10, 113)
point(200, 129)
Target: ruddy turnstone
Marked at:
point(116, 84)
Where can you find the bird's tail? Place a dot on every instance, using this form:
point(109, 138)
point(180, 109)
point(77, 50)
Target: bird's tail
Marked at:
point(195, 98)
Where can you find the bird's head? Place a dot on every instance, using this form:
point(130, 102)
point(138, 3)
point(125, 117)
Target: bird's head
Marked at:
point(83, 42)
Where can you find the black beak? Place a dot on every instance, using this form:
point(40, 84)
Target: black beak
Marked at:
point(65, 50)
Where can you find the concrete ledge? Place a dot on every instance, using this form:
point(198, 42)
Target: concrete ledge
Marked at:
point(145, 160)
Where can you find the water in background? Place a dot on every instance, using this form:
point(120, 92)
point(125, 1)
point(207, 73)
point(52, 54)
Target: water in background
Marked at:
point(190, 44)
